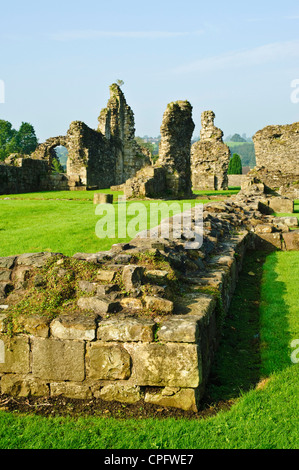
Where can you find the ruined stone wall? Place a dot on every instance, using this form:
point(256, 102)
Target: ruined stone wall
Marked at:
point(209, 157)
point(24, 175)
point(170, 176)
point(96, 158)
point(117, 124)
point(132, 335)
point(277, 155)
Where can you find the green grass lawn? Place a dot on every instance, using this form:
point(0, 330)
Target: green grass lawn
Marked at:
point(262, 321)
point(64, 222)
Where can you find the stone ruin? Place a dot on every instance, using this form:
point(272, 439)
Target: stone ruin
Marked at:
point(277, 158)
point(142, 321)
point(170, 176)
point(209, 157)
point(97, 159)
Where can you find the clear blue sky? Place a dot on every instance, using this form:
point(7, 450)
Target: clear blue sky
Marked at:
point(58, 59)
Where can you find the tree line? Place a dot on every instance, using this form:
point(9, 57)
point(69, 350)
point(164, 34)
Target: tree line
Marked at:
point(22, 141)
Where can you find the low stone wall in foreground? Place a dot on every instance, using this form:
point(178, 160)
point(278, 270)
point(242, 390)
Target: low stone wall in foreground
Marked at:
point(130, 338)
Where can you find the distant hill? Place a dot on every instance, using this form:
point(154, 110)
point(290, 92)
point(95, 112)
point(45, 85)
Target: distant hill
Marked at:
point(245, 150)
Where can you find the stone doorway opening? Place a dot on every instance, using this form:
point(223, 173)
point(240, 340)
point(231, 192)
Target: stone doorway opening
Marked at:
point(59, 159)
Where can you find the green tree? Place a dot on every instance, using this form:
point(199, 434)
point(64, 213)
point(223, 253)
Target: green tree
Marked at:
point(23, 141)
point(26, 140)
point(7, 133)
point(235, 165)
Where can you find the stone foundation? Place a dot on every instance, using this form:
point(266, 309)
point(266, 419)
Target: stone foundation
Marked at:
point(130, 335)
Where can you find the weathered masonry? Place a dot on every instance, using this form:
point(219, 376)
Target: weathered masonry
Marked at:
point(170, 176)
point(96, 158)
point(277, 157)
point(209, 157)
point(130, 335)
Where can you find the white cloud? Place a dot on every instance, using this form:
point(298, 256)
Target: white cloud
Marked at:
point(93, 34)
point(245, 58)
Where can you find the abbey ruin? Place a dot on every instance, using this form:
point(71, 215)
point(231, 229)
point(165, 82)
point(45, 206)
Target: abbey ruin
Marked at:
point(96, 158)
point(109, 156)
point(141, 321)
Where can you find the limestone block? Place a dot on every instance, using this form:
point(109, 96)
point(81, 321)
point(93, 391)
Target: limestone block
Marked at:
point(156, 275)
point(289, 221)
point(101, 198)
point(98, 305)
point(291, 240)
point(5, 275)
point(179, 330)
point(4, 289)
point(131, 303)
point(158, 304)
point(70, 390)
point(16, 355)
point(120, 393)
point(108, 361)
point(166, 364)
point(132, 277)
point(183, 398)
point(264, 228)
point(106, 276)
point(7, 262)
point(75, 327)
point(282, 205)
point(268, 241)
point(23, 386)
point(36, 325)
point(34, 259)
point(128, 329)
point(53, 359)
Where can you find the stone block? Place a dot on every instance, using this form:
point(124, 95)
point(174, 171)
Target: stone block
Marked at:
point(70, 390)
point(156, 275)
point(36, 325)
point(36, 260)
point(268, 241)
point(289, 221)
point(23, 386)
point(128, 329)
point(15, 355)
point(131, 303)
point(4, 289)
point(281, 205)
point(120, 393)
point(173, 397)
point(158, 304)
point(166, 364)
point(108, 362)
point(291, 240)
point(5, 275)
point(264, 228)
point(132, 277)
point(57, 360)
point(106, 276)
point(75, 327)
point(102, 198)
point(7, 262)
point(97, 305)
point(179, 330)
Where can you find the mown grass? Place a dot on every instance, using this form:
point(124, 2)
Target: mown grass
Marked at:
point(262, 416)
point(51, 222)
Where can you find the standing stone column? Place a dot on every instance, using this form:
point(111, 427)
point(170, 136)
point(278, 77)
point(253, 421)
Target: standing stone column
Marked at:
point(175, 147)
point(209, 156)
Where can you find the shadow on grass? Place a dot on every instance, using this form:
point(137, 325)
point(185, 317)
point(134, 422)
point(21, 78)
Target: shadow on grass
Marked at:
point(237, 366)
